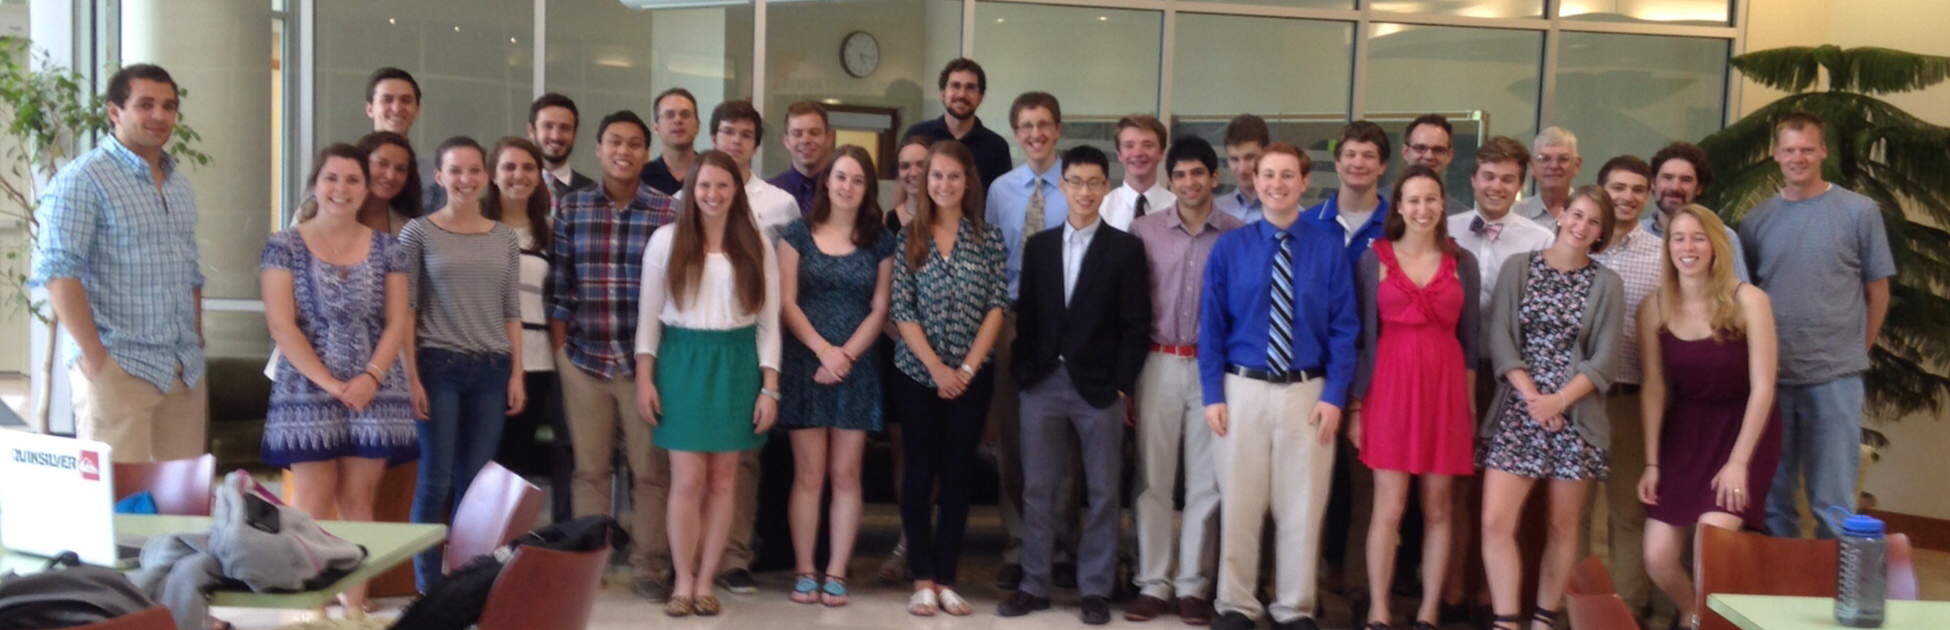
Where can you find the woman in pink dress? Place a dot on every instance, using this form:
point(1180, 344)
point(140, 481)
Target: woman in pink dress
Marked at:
point(1712, 433)
point(1419, 322)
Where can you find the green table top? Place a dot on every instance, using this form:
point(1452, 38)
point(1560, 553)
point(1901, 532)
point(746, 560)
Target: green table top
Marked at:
point(387, 545)
point(1773, 612)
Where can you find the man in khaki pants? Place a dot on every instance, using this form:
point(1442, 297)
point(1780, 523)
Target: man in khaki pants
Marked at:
point(117, 254)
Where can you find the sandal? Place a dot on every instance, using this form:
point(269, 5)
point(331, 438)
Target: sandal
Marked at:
point(923, 603)
point(833, 593)
point(1375, 625)
point(805, 588)
point(953, 604)
point(1424, 625)
point(1545, 616)
point(707, 606)
point(1506, 622)
point(894, 568)
point(679, 607)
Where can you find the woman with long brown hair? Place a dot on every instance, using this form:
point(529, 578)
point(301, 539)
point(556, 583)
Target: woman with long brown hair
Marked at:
point(835, 268)
point(519, 199)
point(708, 315)
point(391, 160)
point(948, 299)
point(1712, 432)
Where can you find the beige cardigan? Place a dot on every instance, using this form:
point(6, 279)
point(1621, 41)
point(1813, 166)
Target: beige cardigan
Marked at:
point(1600, 346)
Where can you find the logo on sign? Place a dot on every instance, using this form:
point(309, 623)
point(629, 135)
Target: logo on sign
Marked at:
point(91, 466)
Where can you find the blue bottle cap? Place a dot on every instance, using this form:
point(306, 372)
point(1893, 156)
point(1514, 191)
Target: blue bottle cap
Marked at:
point(1861, 525)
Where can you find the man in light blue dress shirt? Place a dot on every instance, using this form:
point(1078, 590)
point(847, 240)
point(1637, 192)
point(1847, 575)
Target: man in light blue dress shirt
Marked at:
point(1013, 201)
point(117, 253)
point(1246, 136)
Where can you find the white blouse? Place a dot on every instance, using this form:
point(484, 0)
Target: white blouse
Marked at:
point(715, 307)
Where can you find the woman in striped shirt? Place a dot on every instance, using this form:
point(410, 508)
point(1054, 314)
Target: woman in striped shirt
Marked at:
point(518, 199)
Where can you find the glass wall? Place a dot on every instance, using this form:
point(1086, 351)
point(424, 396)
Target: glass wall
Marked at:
point(1635, 93)
point(1700, 12)
point(1304, 102)
point(1026, 47)
point(610, 56)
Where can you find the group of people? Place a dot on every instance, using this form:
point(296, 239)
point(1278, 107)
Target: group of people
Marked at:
point(439, 308)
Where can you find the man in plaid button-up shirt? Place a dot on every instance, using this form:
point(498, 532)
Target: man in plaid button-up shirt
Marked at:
point(600, 233)
point(117, 253)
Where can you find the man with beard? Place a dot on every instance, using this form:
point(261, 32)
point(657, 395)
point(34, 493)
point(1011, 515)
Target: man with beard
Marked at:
point(552, 122)
point(962, 84)
point(1679, 175)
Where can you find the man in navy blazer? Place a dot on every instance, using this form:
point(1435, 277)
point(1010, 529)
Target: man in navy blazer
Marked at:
point(1082, 331)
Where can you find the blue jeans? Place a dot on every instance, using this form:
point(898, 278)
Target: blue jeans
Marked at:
point(468, 397)
point(1821, 445)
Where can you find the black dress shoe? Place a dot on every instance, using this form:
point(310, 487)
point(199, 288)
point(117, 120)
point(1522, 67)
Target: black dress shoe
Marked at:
point(1021, 604)
point(1298, 623)
point(1096, 611)
point(1233, 621)
point(1009, 577)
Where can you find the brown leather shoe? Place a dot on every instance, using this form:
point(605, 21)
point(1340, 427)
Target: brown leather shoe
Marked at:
point(1145, 608)
point(1195, 611)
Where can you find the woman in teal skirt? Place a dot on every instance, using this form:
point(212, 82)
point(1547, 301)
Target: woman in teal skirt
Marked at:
point(709, 317)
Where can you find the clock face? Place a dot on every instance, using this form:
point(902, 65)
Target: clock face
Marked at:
point(860, 53)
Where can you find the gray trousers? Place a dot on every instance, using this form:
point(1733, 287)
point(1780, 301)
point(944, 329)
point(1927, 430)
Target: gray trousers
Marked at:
point(1054, 417)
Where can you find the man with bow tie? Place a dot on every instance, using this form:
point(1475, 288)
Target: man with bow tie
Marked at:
point(1492, 233)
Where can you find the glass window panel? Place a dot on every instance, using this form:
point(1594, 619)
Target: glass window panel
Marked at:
point(1635, 93)
point(1700, 12)
point(803, 62)
point(1303, 103)
point(473, 59)
point(609, 56)
point(1301, 4)
point(1465, 8)
point(1026, 47)
point(1420, 69)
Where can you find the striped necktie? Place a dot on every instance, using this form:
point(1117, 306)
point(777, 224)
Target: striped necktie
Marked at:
point(1279, 347)
point(1032, 220)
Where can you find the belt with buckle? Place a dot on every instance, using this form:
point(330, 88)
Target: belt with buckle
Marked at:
point(1295, 376)
point(1176, 351)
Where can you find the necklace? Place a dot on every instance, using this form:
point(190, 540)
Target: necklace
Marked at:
point(345, 271)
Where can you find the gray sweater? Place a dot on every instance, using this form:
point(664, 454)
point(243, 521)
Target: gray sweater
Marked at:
point(1600, 346)
point(1367, 281)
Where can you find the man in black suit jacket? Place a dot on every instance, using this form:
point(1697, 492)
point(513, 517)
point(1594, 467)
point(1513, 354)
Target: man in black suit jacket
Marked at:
point(1082, 331)
point(552, 122)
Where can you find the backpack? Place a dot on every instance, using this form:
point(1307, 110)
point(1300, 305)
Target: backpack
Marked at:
point(455, 602)
point(73, 595)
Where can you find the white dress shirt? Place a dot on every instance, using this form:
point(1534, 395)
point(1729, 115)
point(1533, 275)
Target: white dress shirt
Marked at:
point(1120, 206)
point(1076, 243)
point(1516, 235)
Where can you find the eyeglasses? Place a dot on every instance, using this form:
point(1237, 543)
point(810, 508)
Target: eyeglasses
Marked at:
point(1086, 184)
point(1428, 149)
point(1040, 125)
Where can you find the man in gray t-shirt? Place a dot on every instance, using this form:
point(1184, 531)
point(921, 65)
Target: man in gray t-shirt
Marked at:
point(1820, 251)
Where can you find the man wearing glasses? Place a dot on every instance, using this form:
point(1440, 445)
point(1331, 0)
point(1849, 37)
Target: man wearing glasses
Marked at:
point(1427, 142)
point(1022, 202)
point(1555, 157)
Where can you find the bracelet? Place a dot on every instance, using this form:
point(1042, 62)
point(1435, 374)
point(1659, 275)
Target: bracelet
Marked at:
point(769, 393)
point(373, 369)
point(1651, 465)
point(966, 369)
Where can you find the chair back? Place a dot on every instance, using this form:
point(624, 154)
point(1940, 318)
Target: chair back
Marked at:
point(151, 618)
point(499, 506)
point(1599, 611)
point(1591, 577)
point(181, 487)
point(545, 589)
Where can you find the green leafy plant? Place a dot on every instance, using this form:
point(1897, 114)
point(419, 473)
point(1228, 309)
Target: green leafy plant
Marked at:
point(1880, 151)
point(47, 111)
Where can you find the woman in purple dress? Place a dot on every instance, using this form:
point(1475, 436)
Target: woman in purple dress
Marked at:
point(1711, 428)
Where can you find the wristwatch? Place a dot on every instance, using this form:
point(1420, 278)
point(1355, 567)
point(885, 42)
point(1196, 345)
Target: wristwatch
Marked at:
point(967, 369)
point(769, 393)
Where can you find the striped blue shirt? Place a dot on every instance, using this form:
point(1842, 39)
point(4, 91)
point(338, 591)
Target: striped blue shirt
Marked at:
point(103, 222)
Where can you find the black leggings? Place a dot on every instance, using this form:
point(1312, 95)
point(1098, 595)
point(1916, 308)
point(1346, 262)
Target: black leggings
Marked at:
point(938, 438)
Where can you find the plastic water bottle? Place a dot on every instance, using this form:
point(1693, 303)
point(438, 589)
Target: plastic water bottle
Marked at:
point(1862, 573)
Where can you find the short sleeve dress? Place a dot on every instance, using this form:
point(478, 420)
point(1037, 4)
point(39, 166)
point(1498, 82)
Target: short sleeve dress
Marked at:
point(836, 294)
point(342, 312)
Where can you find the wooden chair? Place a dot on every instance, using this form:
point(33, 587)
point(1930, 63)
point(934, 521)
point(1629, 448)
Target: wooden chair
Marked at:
point(499, 506)
point(544, 589)
point(1592, 602)
point(151, 618)
point(1591, 577)
point(181, 487)
point(1728, 561)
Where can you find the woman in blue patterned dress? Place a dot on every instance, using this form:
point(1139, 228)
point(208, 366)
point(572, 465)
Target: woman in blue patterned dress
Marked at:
point(834, 277)
point(335, 299)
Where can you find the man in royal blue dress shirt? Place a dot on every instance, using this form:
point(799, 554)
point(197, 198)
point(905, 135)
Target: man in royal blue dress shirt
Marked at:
point(1275, 354)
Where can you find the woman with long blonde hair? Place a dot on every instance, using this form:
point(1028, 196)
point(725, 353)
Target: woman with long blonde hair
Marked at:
point(1712, 432)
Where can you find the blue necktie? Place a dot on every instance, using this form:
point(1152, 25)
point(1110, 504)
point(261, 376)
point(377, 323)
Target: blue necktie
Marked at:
point(1279, 347)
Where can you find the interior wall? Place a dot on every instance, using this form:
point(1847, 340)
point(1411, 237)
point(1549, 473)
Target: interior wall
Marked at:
point(1917, 442)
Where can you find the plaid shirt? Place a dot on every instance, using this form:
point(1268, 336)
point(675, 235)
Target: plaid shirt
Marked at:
point(592, 284)
point(133, 248)
point(1635, 256)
